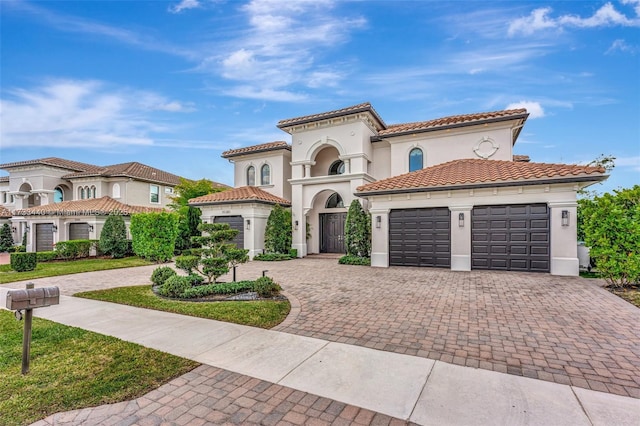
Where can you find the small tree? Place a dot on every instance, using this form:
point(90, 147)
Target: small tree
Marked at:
point(218, 253)
point(6, 239)
point(187, 227)
point(188, 189)
point(357, 231)
point(154, 235)
point(113, 238)
point(611, 225)
point(277, 234)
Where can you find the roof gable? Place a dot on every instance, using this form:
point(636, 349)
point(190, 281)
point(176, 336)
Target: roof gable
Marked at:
point(131, 169)
point(354, 109)
point(477, 172)
point(264, 147)
point(60, 163)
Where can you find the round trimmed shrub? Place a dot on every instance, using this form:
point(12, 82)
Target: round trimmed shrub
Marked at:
point(161, 275)
point(175, 286)
point(266, 287)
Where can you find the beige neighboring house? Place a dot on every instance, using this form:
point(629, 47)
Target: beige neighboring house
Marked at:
point(444, 193)
point(53, 199)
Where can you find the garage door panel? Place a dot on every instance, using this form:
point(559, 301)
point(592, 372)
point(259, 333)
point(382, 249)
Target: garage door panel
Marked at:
point(79, 231)
point(237, 223)
point(44, 236)
point(424, 240)
point(517, 238)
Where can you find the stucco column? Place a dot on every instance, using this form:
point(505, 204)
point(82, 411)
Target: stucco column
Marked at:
point(379, 237)
point(307, 170)
point(460, 238)
point(297, 209)
point(564, 239)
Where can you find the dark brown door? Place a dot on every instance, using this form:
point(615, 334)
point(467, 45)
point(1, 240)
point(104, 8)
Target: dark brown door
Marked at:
point(44, 237)
point(420, 237)
point(237, 223)
point(510, 237)
point(79, 231)
point(332, 230)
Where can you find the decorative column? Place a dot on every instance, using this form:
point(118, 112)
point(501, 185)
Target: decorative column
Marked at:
point(379, 237)
point(460, 238)
point(564, 238)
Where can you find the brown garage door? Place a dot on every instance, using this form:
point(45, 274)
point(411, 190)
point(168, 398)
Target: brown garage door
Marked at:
point(510, 237)
point(79, 231)
point(420, 237)
point(236, 222)
point(44, 236)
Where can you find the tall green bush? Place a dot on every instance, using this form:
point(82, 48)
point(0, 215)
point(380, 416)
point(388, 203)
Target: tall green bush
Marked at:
point(22, 262)
point(277, 234)
point(611, 227)
point(113, 238)
point(6, 239)
point(218, 254)
point(73, 249)
point(187, 227)
point(357, 231)
point(154, 235)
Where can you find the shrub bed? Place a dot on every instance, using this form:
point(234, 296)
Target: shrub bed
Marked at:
point(46, 256)
point(354, 260)
point(272, 257)
point(22, 262)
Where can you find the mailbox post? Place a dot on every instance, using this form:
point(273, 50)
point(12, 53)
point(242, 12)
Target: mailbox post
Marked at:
point(27, 300)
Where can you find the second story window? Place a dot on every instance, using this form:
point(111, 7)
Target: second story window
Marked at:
point(154, 193)
point(251, 176)
point(58, 195)
point(265, 175)
point(415, 159)
point(337, 168)
point(115, 191)
point(81, 194)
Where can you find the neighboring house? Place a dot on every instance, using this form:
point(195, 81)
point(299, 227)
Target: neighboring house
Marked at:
point(447, 192)
point(53, 199)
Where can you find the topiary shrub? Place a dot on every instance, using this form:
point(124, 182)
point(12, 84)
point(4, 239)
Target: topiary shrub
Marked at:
point(161, 275)
point(113, 237)
point(6, 238)
point(175, 286)
point(266, 287)
point(22, 262)
point(195, 280)
point(357, 231)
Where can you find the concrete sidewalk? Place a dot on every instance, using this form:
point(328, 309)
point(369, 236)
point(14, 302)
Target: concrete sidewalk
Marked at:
point(401, 386)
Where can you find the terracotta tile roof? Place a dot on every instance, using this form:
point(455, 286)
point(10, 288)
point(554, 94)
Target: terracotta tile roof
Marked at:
point(363, 107)
point(5, 212)
point(270, 146)
point(133, 170)
point(242, 194)
point(454, 121)
point(471, 172)
point(55, 162)
point(92, 207)
point(524, 158)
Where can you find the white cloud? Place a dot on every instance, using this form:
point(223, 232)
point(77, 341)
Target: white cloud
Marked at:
point(633, 162)
point(184, 5)
point(534, 109)
point(81, 113)
point(281, 49)
point(622, 46)
point(606, 16)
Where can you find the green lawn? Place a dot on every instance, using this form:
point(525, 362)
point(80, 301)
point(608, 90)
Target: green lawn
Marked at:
point(53, 269)
point(263, 313)
point(73, 368)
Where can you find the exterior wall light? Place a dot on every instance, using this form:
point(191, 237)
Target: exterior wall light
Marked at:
point(378, 221)
point(461, 220)
point(248, 224)
point(295, 225)
point(90, 228)
point(565, 217)
point(54, 228)
point(27, 228)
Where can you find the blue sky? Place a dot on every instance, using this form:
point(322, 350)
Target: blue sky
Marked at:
point(172, 84)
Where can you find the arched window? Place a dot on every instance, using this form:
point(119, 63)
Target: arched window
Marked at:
point(334, 201)
point(265, 175)
point(251, 176)
point(58, 195)
point(93, 192)
point(81, 193)
point(415, 159)
point(336, 168)
point(116, 190)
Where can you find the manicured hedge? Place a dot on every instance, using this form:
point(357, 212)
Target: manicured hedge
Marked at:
point(21, 262)
point(46, 256)
point(354, 260)
point(272, 257)
point(74, 249)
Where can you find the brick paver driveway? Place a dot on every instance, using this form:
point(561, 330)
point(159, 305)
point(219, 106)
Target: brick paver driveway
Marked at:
point(562, 329)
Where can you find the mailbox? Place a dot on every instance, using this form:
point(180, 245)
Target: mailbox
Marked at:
point(32, 298)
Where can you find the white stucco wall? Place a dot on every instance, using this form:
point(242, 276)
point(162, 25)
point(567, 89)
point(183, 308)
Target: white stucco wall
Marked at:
point(278, 162)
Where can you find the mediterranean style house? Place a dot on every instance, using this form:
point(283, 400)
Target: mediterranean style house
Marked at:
point(444, 193)
point(53, 199)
